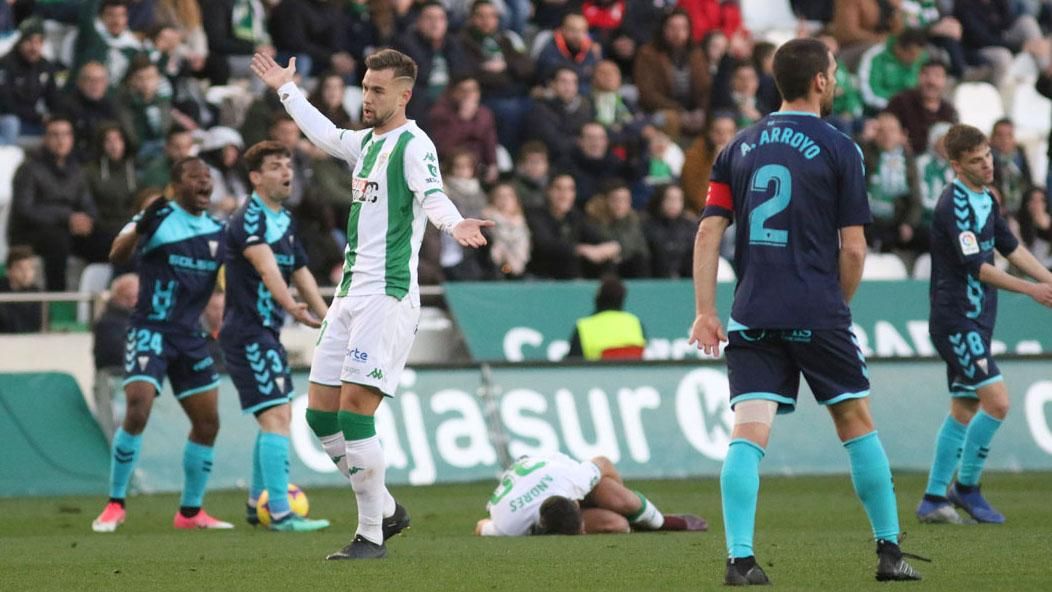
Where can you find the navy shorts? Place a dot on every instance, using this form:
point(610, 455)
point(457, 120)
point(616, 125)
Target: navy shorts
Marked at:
point(259, 368)
point(766, 365)
point(969, 365)
point(150, 354)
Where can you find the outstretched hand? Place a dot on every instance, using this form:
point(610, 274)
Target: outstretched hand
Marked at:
point(271, 73)
point(468, 232)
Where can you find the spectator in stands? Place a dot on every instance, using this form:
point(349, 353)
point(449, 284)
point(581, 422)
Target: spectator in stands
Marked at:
point(555, 121)
point(643, 18)
point(462, 185)
point(608, 26)
point(235, 30)
point(562, 240)
point(509, 240)
point(892, 67)
point(311, 31)
point(611, 211)
point(1035, 226)
point(612, 109)
point(699, 158)
point(185, 17)
point(993, 31)
point(709, 15)
point(860, 24)
point(439, 59)
point(943, 31)
point(610, 332)
point(670, 231)
point(27, 85)
point(1012, 176)
point(918, 109)
point(178, 144)
point(531, 175)
point(20, 317)
point(847, 100)
point(740, 98)
point(177, 83)
point(673, 77)
point(221, 150)
point(52, 210)
point(111, 180)
point(283, 129)
point(109, 337)
point(328, 97)
point(592, 161)
point(892, 186)
point(103, 36)
point(664, 163)
point(150, 114)
point(570, 47)
point(459, 120)
point(934, 173)
point(89, 107)
point(503, 68)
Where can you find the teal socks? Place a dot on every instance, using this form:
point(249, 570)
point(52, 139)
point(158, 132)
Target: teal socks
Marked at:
point(274, 461)
point(948, 444)
point(125, 453)
point(197, 465)
point(871, 476)
point(257, 486)
point(977, 439)
point(739, 488)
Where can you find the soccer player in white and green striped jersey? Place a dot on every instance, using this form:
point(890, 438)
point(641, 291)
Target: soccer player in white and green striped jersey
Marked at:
point(366, 336)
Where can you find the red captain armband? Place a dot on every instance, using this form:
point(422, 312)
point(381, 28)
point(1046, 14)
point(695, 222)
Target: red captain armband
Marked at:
point(719, 196)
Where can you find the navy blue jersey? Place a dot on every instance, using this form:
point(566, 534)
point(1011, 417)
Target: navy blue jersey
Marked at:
point(179, 259)
point(966, 227)
point(791, 181)
point(249, 305)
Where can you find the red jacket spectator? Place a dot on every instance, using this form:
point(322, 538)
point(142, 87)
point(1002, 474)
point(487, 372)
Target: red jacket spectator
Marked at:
point(706, 15)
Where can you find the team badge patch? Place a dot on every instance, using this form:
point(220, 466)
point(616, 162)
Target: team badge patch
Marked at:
point(969, 244)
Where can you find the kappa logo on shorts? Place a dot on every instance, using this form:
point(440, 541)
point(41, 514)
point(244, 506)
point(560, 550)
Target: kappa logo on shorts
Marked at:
point(358, 355)
point(377, 373)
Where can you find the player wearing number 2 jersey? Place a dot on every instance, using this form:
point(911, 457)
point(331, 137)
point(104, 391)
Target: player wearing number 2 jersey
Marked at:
point(369, 329)
point(796, 188)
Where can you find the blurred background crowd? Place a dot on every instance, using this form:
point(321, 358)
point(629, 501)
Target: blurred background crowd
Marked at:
point(585, 128)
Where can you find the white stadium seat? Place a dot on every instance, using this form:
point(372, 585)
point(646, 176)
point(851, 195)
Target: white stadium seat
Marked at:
point(10, 159)
point(886, 266)
point(979, 104)
point(95, 279)
point(922, 267)
point(1031, 112)
point(765, 15)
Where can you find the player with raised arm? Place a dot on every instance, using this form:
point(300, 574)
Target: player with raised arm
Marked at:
point(555, 494)
point(369, 329)
point(967, 227)
point(264, 254)
point(797, 188)
point(181, 248)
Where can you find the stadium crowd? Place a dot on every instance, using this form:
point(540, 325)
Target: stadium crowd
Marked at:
point(586, 129)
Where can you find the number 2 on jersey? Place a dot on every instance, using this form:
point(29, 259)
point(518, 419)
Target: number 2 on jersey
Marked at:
point(759, 234)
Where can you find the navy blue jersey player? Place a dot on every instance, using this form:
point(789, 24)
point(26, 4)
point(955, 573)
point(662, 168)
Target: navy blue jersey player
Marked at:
point(796, 188)
point(967, 227)
point(180, 250)
point(263, 256)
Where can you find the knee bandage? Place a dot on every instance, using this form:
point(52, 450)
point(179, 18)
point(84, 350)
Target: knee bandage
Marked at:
point(755, 411)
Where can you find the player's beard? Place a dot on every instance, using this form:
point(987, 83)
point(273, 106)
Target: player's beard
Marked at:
point(377, 120)
point(825, 108)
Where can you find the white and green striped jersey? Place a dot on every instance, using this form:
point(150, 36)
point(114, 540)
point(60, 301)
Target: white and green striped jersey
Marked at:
point(397, 187)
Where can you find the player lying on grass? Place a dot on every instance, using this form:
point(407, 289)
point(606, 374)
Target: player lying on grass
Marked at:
point(556, 494)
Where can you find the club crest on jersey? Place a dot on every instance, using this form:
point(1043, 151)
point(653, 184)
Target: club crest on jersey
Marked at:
point(983, 365)
point(969, 244)
point(280, 380)
point(143, 360)
point(213, 246)
point(364, 190)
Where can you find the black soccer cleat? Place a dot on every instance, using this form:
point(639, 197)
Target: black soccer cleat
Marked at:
point(251, 515)
point(891, 567)
point(360, 548)
point(395, 523)
point(744, 571)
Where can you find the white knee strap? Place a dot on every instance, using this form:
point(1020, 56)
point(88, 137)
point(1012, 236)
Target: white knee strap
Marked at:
point(755, 411)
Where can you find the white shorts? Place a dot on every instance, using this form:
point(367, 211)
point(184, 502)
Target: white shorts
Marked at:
point(365, 340)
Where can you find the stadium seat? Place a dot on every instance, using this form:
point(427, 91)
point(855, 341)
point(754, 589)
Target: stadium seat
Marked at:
point(10, 159)
point(765, 15)
point(1031, 112)
point(538, 43)
point(884, 266)
point(979, 104)
point(352, 99)
point(505, 164)
point(725, 271)
point(922, 267)
point(95, 279)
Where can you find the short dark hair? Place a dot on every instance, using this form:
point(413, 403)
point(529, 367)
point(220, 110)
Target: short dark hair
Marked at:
point(963, 138)
point(180, 167)
point(174, 131)
point(796, 63)
point(477, 3)
point(19, 253)
point(552, 178)
point(532, 147)
point(59, 118)
point(612, 184)
point(935, 63)
point(611, 293)
point(106, 4)
point(390, 59)
point(138, 64)
point(278, 117)
point(911, 38)
point(1002, 121)
point(259, 152)
point(559, 515)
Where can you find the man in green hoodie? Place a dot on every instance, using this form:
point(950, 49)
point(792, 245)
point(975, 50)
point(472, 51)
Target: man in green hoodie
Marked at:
point(890, 68)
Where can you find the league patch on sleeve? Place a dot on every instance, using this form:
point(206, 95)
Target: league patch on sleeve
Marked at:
point(969, 244)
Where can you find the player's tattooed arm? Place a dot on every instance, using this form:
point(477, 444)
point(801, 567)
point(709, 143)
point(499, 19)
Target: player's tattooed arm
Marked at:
point(262, 258)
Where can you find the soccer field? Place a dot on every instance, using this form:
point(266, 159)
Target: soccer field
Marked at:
point(812, 535)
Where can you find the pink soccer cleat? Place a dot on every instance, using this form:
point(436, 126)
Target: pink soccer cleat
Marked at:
point(201, 520)
point(111, 517)
point(684, 522)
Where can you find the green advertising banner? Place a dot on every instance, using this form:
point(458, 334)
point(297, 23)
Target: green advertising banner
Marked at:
point(661, 420)
point(526, 321)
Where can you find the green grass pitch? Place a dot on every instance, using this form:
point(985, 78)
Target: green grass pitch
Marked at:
point(812, 535)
